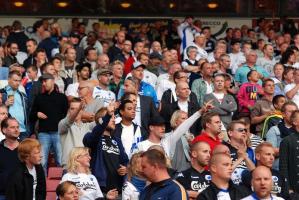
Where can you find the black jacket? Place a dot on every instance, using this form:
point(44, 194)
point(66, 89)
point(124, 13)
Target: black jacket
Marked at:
point(235, 192)
point(113, 51)
point(8, 162)
point(54, 106)
point(148, 111)
point(20, 184)
point(289, 162)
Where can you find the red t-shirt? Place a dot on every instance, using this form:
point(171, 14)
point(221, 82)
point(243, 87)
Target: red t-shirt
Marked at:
point(208, 139)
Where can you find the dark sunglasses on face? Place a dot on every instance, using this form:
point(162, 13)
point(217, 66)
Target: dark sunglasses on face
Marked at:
point(240, 130)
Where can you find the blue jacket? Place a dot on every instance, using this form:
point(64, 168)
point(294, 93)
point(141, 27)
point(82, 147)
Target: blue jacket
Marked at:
point(167, 189)
point(148, 90)
point(24, 100)
point(93, 141)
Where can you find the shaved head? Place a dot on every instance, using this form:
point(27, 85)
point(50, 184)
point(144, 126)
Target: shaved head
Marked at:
point(221, 148)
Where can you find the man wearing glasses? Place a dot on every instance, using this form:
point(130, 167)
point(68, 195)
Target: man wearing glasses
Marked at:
point(240, 152)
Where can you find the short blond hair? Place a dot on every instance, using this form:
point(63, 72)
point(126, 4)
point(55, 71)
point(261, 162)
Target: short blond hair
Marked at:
point(132, 167)
point(73, 164)
point(26, 147)
point(175, 116)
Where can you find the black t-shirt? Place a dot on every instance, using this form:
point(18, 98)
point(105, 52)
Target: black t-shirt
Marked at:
point(111, 155)
point(193, 180)
point(279, 187)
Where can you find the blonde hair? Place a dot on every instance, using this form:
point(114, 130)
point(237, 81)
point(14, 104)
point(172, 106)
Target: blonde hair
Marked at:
point(175, 116)
point(26, 147)
point(73, 164)
point(132, 167)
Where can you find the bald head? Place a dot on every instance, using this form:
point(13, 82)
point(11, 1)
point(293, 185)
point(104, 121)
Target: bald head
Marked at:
point(87, 84)
point(262, 182)
point(181, 84)
point(182, 90)
point(221, 167)
point(103, 61)
point(221, 148)
point(261, 170)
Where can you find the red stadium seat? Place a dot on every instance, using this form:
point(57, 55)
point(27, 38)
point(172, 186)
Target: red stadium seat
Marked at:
point(52, 185)
point(51, 196)
point(55, 173)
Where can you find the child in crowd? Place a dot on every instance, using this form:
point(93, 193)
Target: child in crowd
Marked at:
point(249, 93)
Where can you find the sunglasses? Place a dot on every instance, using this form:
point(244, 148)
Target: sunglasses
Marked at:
point(240, 130)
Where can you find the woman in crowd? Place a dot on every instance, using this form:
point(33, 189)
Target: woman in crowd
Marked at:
point(67, 191)
point(135, 183)
point(79, 172)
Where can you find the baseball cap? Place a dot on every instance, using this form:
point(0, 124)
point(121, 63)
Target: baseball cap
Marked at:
point(156, 121)
point(155, 55)
point(138, 64)
point(103, 71)
point(47, 76)
point(74, 34)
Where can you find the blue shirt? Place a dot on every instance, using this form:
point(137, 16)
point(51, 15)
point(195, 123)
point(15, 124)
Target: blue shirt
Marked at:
point(144, 89)
point(148, 90)
point(241, 73)
point(166, 190)
point(16, 110)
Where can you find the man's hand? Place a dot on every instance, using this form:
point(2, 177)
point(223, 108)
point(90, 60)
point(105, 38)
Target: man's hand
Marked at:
point(122, 170)
point(112, 194)
point(192, 194)
point(88, 116)
point(41, 115)
point(112, 107)
point(206, 107)
point(9, 101)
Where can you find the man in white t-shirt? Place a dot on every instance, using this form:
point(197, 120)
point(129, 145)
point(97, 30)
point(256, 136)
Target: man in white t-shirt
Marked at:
point(128, 132)
point(83, 72)
point(292, 90)
point(156, 133)
point(102, 91)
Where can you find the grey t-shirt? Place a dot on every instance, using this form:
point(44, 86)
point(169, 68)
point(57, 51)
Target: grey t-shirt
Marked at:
point(94, 106)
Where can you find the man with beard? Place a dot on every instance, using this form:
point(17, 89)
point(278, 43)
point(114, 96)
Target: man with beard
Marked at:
point(196, 179)
point(108, 156)
point(118, 46)
point(12, 51)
